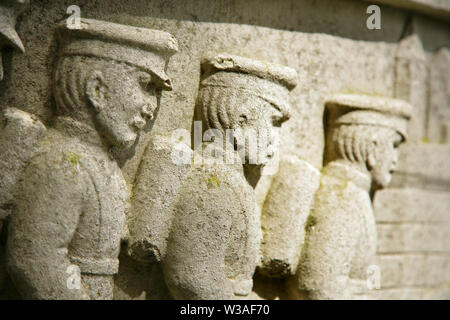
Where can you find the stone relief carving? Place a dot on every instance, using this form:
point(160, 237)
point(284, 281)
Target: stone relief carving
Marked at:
point(72, 198)
point(363, 133)
point(9, 11)
point(284, 214)
point(15, 125)
point(69, 200)
point(15, 155)
point(19, 133)
point(211, 248)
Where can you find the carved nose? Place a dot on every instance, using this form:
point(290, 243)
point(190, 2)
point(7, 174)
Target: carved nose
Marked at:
point(147, 111)
point(167, 85)
point(139, 122)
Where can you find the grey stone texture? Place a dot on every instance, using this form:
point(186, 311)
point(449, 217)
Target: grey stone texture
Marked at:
point(438, 125)
point(363, 134)
point(70, 204)
point(284, 216)
point(93, 205)
point(438, 8)
point(213, 244)
point(17, 126)
point(9, 12)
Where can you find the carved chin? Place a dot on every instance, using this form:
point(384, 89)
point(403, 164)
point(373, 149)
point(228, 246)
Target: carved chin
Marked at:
point(383, 181)
point(126, 141)
point(265, 161)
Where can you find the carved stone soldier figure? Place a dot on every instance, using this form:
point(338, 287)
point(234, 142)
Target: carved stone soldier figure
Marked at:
point(213, 243)
point(11, 160)
point(15, 125)
point(9, 11)
point(72, 199)
point(363, 133)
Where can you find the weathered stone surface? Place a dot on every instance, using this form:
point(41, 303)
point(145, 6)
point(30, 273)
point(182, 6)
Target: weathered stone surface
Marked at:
point(411, 237)
point(412, 206)
point(438, 122)
point(20, 134)
point(189, 229)
point(64, 234)
point(157, 185)
point(9, 11)
point(410, 82)
point(284, 216)
point(408, 294)
point(423, 165)
point(438, 8)
point(362, 136)
point(214, 239)
point(409, 270)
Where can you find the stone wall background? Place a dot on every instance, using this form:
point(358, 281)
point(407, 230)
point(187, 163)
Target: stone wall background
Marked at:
point(413, 215)
point(329, 45)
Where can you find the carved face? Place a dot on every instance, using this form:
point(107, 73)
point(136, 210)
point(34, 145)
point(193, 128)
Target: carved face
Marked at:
point(125, 100)
point(258, 119)
point(384, 160)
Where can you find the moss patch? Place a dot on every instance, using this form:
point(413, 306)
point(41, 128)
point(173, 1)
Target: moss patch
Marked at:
point(73, 158)
point(213, 181)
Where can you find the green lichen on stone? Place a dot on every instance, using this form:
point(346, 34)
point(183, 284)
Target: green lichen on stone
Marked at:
point(213, 181)
point(73, 158)
point(130, 188)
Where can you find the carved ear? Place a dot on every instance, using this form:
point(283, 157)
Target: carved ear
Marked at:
point(96, 90)
point(243, 119)
point(371, 155)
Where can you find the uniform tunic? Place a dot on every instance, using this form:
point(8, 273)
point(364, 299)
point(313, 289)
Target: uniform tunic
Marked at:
point(213, 245)
point(70, 211)
point(341, 236)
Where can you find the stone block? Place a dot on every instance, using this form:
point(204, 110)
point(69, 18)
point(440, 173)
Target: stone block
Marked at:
point(408, 237)
point(412, 206)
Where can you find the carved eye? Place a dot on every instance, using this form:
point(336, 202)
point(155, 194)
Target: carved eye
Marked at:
point(145, 80)
point(397, 140)
point(277, 118)
point(242, 118)
point(277, 121)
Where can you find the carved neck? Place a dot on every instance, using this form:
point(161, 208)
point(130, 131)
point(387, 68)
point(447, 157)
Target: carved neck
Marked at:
point(252, 174)
point(82, 131)
point(350, 172)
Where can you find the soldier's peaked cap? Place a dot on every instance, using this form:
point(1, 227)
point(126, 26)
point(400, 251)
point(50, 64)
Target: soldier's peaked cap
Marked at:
point(269, 81)
point(369, 110)
point(142, 47)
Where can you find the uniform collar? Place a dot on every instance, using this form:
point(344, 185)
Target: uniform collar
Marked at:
point(349, 173)
point(79, 130)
